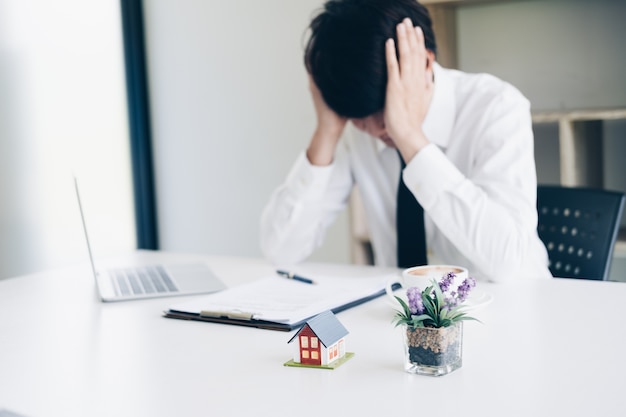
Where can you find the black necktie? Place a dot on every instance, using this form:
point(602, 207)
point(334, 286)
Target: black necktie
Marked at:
point(410, 227)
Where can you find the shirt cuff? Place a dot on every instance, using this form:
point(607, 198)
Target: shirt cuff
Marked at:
point(429, 173)
point(307, 181)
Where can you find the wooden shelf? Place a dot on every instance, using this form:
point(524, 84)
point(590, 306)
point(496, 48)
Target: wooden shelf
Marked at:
point(580, 143)
point(578, 115)
point(454, 2)
point(580, 147)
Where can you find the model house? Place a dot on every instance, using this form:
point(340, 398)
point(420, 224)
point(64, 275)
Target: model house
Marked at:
point(320, 341)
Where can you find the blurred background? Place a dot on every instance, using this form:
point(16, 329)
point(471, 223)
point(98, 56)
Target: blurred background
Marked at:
point(230, 111)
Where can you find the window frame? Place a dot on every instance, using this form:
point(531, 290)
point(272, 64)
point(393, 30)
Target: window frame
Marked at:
point(139, 124)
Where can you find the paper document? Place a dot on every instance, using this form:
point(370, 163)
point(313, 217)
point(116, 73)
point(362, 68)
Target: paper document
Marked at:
point(284, 301)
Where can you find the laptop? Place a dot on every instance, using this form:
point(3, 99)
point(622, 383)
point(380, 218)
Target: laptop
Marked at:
point(124, 282)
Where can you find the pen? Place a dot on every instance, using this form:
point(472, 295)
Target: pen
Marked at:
point(291, 275)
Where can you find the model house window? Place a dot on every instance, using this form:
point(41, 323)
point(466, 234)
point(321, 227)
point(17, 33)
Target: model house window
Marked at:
point(314, 343)
point(314, 355)
point(305, 354)
point(304, 342)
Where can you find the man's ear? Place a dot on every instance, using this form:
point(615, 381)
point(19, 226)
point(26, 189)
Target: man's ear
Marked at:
point(430, 58)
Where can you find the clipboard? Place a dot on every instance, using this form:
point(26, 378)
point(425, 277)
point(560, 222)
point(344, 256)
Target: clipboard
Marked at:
point(268, 303)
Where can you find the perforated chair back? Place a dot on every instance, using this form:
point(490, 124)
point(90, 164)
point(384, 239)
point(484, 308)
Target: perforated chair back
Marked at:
point(579, 227)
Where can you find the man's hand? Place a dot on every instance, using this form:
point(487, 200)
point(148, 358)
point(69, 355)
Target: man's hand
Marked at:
point(409, 89)
point(330, 126)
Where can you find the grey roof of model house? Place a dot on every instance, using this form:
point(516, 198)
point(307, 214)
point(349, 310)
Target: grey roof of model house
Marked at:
point(326, 327)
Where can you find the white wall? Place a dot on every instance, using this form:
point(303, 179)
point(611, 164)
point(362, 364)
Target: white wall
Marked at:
point(563, 54)
point(230, 112)
point(62, 111)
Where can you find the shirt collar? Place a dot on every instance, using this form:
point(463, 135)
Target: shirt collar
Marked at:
point(441, 113)
point(380, 145)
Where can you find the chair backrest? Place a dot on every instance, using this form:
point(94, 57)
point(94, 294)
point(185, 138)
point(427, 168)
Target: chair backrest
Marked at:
point(579, 227)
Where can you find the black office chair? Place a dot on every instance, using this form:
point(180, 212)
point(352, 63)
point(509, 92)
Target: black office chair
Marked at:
point(579, 227)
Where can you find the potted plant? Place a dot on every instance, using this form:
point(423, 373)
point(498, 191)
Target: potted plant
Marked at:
point(432, 323)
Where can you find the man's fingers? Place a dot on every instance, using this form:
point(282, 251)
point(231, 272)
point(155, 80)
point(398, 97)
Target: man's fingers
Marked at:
point(411, 60)
point(404, 49)
point(392, 61)
point(419, 36)
point(411, 47)
point(411, 37)
point(418, 48)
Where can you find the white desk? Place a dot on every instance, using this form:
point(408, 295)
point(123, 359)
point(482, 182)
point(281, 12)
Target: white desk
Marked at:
point(555, 347)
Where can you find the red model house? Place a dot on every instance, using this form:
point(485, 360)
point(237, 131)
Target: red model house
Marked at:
point(320, 341)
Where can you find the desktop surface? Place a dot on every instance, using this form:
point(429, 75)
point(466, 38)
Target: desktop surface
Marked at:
point(552, 347)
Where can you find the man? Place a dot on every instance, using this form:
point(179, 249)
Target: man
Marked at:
point(466, 140)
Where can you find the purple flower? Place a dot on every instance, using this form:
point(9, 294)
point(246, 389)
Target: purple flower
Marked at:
point(446, 281)
point(465, 288)
point(415, 300)
point(451, 301)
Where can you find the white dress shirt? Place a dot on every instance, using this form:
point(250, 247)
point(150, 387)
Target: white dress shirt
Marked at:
point(476, 181)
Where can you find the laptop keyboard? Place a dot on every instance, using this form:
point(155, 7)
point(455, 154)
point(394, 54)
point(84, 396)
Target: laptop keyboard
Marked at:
point(145, 280)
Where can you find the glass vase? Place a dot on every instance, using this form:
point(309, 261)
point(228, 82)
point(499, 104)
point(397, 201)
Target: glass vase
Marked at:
point(433, 351)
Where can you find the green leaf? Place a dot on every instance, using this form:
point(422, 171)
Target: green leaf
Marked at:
point(421, 317)
point(405, 308)
point(455, 313)
point(439, 295)
point(415, 324)
point(426, 298)
point(469, 318)
point(428, 306)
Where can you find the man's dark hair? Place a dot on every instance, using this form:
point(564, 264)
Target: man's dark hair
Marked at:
point(345, 53)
